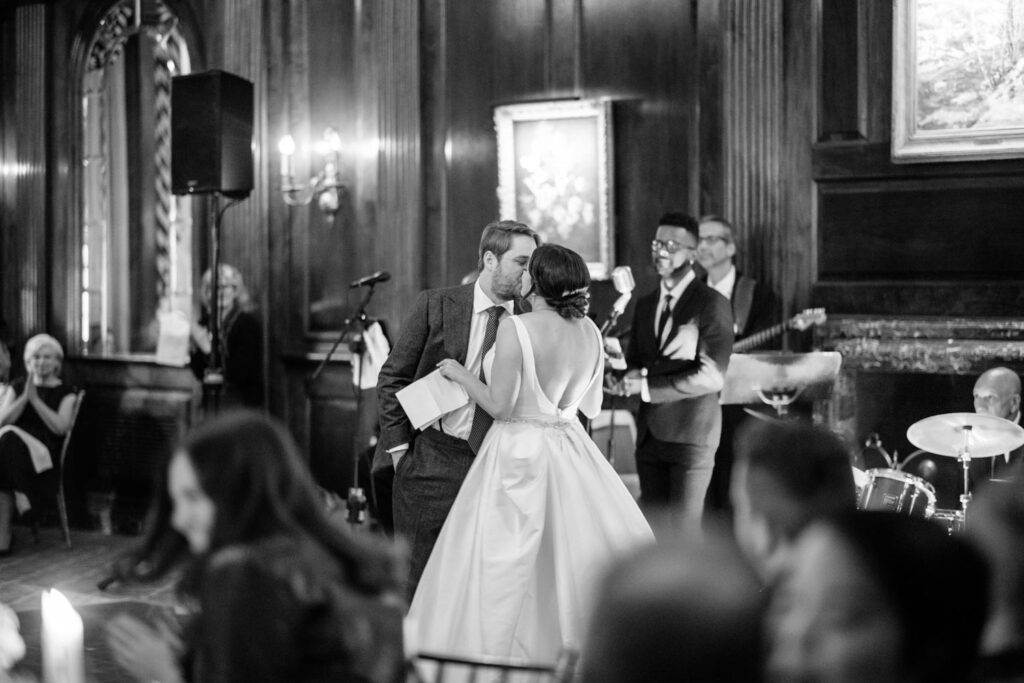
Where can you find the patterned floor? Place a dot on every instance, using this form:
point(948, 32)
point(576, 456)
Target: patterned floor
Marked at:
point(75, 572)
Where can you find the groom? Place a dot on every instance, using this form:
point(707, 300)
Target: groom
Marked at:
point(453, 322)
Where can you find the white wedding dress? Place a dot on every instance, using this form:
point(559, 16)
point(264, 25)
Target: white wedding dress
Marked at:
point(540, 515)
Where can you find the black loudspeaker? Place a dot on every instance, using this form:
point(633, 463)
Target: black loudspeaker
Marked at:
point(211, 134)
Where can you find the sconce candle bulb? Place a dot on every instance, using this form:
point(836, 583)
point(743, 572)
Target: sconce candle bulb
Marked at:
point(287, 148)
point(326, 186)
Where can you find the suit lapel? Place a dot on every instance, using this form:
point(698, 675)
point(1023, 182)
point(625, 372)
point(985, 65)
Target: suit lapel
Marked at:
point(458, 316)
point(645, 312)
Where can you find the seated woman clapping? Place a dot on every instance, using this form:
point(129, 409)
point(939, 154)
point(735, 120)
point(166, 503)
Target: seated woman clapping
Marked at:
point(35, 413)
point(280, 593)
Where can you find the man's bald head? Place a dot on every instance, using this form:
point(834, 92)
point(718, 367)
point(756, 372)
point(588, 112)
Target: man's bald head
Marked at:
point(997, 392)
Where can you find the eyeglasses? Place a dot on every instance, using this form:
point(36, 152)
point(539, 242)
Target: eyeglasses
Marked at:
point(671, 246)
point(711, 239)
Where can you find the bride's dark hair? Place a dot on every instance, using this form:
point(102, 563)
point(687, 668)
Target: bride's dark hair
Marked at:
point(561, 278)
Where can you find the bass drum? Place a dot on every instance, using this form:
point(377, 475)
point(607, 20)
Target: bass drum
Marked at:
point(899, 492)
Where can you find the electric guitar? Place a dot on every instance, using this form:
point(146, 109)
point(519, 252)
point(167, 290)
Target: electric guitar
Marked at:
point(801, 321)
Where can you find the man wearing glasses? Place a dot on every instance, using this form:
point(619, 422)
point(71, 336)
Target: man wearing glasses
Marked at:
point(754, 305)
point(754, 308)
point(678, 352)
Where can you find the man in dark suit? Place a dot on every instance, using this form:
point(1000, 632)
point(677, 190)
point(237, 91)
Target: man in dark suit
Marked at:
point(454, 322)
point(754, 308)
point(678, 352)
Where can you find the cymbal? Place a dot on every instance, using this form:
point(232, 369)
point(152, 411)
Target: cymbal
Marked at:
point(987, 436)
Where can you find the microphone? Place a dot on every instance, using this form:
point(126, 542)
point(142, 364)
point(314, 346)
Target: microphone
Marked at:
point(622, 279)
point(379, 276)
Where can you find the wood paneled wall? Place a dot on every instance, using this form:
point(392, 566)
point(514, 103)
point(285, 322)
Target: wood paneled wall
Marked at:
point(902, 239)
point(25, 231)
point(775, 114)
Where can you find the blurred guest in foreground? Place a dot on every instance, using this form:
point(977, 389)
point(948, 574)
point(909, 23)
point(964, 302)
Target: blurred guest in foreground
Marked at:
point(679, 611)
point(281, 593)
point(785, 476)
point(34, 416)
point(241, 339)
point(876, 596)
point(996, 517)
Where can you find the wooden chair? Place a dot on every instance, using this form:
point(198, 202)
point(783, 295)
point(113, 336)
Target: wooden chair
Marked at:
point(497, 669)
point(62, 506)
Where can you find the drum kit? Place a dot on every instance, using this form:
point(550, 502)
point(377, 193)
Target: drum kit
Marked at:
point(963, 436)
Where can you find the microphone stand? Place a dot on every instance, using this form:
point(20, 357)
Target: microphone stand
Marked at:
point(355, 502)
point(613, 319)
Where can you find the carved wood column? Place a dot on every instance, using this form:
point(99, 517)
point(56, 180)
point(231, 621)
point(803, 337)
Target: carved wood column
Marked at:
point(400, 238)
point(244, 229)
point(752, 115)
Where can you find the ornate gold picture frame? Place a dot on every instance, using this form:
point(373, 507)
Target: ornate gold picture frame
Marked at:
point(957, 82)
point(555, 174)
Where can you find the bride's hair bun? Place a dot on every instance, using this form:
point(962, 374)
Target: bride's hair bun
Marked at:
point(561, 277)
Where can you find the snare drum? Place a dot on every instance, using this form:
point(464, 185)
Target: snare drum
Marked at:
point(899, 492)
point(951, 520)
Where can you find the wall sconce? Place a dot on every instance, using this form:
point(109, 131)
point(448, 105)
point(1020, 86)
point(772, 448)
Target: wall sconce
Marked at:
point(326, 185)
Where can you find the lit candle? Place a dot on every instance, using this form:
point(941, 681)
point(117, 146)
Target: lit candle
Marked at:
point(62, 640)
point(287, 148)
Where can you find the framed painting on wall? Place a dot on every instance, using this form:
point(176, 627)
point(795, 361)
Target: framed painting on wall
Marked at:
point(555, 174)
point(958, 80)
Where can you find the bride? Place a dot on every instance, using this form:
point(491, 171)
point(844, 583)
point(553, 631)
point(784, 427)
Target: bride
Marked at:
point(541, 512)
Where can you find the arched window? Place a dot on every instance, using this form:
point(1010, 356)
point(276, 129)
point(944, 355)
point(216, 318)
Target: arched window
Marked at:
point(137, 237)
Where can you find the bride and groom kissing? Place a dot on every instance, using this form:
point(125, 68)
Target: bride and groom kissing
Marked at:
point(508, 522)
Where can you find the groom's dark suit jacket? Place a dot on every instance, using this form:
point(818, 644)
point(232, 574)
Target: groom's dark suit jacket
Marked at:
point(672, 415)
point(437, 328)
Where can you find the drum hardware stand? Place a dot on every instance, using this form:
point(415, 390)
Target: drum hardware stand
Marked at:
point(874, 442)
point(355, 502)
point(965, 458)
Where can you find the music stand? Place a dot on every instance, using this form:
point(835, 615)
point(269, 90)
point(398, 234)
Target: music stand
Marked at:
point(779, 378)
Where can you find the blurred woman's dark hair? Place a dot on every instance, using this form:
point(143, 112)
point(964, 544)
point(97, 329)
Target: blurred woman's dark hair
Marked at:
point(249, 466)
point(562, 279)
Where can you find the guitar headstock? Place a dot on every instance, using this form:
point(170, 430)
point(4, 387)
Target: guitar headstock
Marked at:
point(809, 316)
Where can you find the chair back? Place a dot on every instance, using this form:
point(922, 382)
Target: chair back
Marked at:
point(433, 667)
point(62, 505)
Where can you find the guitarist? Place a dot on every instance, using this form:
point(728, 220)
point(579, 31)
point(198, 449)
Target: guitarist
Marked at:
point(754, 305)
point(754, 308)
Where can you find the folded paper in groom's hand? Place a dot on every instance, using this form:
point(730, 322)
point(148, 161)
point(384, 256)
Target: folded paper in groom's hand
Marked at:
point(428, 398)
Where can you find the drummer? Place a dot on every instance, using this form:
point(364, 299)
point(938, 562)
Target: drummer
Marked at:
point(997, 393)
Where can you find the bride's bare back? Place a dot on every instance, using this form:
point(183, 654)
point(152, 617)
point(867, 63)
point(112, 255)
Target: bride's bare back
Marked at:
point(566, 351)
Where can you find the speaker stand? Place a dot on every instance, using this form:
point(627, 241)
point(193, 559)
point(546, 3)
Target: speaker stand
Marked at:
point(213, 377)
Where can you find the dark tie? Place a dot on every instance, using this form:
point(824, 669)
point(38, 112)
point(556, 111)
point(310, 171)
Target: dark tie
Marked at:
point(666, 315)
point(481, 419)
